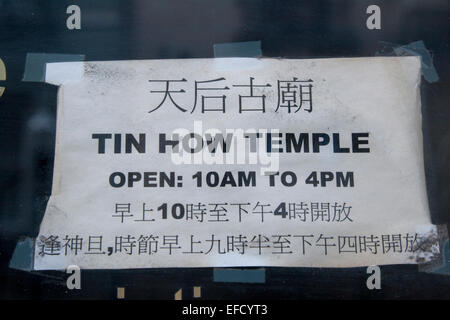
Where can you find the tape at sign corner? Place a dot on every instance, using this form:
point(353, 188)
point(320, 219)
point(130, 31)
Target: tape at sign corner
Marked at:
point(38, 68)
point(23, 255)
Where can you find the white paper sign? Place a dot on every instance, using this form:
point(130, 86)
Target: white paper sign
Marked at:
point(237, 162)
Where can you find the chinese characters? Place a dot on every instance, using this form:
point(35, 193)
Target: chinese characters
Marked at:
point(212, 95)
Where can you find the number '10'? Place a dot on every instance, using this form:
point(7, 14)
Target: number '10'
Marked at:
point(177, 210)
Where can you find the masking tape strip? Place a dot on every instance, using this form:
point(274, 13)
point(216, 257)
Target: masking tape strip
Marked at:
point(23, 255)
point(248, 49)
point(445, 268)
point(240, 275)
point(416, 48)
point(35, 64)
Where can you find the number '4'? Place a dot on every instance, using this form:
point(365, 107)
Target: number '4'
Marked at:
point(281, 210)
